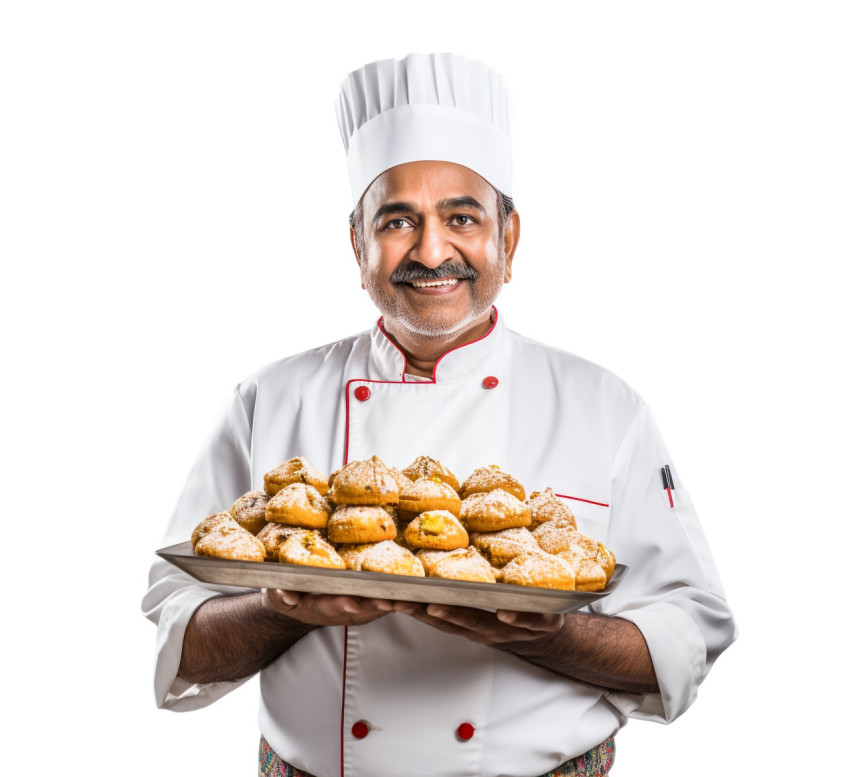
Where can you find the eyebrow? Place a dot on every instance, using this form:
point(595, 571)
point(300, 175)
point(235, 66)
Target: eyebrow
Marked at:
point(447, 204)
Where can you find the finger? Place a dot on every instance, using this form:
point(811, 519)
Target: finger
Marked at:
point(291, 598)
point(532, 621)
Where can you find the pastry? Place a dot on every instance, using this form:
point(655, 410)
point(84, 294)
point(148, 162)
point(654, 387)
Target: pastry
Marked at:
point(273, 535)
point(499, 547)
point(366, 482)
point(426, 467)
point(427, 494)
point(493, 511)
point(250, 511)
point(386, 556)
point(541, 570)
point(310, 550)
point(297, 470)
point(490, 478)
point(558, 535)
point(436, 529)
point(466, 564)
point(210, 523)
point(231, 541)
point(547, 506)
point(361, 523)
point(299, 504)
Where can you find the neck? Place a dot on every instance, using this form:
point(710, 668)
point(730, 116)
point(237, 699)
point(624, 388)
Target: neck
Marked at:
point(423, 353)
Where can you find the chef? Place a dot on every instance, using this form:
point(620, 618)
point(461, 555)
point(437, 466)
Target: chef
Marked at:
point(366, 687)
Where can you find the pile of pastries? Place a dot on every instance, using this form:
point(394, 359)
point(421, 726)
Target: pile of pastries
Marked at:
point(419, 521)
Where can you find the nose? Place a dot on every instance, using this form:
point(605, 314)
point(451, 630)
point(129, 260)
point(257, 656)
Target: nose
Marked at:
point(432, 246)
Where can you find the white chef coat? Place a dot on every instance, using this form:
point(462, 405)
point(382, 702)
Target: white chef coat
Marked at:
point(551, 419)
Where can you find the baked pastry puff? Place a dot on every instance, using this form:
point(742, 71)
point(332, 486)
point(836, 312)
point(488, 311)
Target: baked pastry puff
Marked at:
point(249, 511)
point(361, 523)
point(299, 504)
point(227, 539)
point(427, 494)
point(436, 529)
point(386, 556)
point(547, 506)
point(211, 523)
point(465, 564)
point(493, 511)
point(366, 482)
point(297, 470)
point(540, 570)
point(499, 547)
point(310, 550)
point(490, 478)
point(273, 535)
point(426, 467)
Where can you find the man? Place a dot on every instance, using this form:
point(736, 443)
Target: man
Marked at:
point(356, 686)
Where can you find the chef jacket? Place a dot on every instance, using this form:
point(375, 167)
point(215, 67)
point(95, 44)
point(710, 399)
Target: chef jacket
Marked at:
point(360, 701)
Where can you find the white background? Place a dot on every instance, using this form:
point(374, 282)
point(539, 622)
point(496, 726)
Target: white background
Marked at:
point(173, 215)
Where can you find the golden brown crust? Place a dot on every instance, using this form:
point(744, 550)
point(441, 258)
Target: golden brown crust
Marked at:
point(490, 478)
point(429, 558)
point(436, 529)
point(310, 550)
point(493, 511)
point(426, 467)
point(428, 494)
point(540, 570)
point(361, 523)
point(556, 536)
point(499, 547)
point(466, 564)
point(297, 470)
point(273, 535)
point(387, 557)
point(547, 506)
point(299, 504)
point(210, 524)
point(366, 482)
point(249, 511)
point(230, 541)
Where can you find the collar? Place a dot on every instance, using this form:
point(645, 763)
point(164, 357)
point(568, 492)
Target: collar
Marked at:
point(387, 361)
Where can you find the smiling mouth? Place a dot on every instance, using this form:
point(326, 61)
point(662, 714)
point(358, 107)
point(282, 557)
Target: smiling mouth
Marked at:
point(423, 284)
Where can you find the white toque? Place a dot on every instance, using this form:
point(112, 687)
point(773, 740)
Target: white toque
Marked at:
point(440, 107)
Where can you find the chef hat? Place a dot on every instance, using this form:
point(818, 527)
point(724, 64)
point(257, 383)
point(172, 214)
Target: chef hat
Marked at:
point(425, 107)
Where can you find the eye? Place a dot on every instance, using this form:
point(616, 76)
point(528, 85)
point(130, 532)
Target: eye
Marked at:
point(462, 220)
point(398, 223)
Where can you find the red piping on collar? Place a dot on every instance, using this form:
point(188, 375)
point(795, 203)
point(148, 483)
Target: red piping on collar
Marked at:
point(579, 499)
point(436, 364)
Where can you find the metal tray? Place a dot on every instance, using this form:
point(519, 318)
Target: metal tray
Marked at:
point(494, 596)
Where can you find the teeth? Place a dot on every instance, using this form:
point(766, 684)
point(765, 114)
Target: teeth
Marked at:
point(428, 284)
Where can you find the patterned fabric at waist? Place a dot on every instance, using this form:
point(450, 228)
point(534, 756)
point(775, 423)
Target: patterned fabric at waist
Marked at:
point(596, 762)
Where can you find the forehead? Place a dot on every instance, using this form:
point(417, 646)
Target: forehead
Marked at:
point(424, 184)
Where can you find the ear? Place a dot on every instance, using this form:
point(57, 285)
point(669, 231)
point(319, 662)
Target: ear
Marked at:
point(353, 239)
point(511, 242)
point(354, 249)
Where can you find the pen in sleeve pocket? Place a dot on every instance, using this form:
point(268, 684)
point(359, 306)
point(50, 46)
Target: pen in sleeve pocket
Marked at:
point(667, 482)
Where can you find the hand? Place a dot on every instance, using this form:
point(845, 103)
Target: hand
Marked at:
point(325, 609)
point(487, 628)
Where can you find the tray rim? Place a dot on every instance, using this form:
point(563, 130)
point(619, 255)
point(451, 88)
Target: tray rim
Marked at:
point(570, 599)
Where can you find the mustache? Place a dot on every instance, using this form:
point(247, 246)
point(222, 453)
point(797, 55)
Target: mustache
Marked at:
point(413, 271)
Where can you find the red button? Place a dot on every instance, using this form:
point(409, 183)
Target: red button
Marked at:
point(465, 731)
point(361, 728)
point(490, 382)
point(362, 393)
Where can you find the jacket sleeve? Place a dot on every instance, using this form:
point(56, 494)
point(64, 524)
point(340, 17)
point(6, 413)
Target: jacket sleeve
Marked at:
point(220, 475)
point(671, 591)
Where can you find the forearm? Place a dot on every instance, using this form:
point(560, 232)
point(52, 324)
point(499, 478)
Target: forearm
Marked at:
point(230, 638)
point(599, 650)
